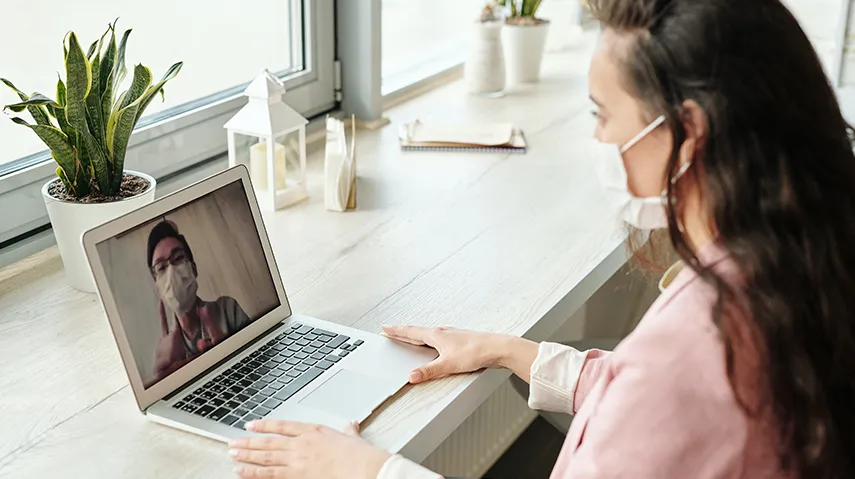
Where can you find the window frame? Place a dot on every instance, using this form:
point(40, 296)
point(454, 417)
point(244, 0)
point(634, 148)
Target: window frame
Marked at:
point(845, 93)
point(167, 143)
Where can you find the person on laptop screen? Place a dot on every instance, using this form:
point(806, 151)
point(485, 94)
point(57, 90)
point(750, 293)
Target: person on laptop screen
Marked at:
point(197, 325)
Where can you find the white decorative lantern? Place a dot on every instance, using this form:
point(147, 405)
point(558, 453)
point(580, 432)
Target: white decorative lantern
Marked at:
point(269, 137)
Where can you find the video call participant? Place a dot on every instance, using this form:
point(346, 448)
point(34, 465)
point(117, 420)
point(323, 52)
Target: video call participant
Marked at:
point(198, 325)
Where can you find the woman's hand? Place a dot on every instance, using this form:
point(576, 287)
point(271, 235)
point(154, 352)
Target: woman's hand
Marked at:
point(305, 451)
point(462, 351)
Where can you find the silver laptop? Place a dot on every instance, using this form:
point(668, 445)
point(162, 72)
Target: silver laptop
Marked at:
point(203, 325)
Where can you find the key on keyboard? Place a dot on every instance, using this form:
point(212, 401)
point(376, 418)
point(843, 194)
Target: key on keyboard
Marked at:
point(259, 383)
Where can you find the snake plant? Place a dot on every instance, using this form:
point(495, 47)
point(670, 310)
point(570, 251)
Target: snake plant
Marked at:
point(521, 8)
point(87, 126)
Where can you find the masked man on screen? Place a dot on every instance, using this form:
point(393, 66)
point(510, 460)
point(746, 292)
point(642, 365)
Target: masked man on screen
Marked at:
point(197, 325)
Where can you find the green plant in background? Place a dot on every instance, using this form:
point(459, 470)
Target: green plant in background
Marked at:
point(88, 126)
point(521, 10)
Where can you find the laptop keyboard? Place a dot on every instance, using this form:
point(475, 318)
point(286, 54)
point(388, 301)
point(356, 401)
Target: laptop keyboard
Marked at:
point(269, 376)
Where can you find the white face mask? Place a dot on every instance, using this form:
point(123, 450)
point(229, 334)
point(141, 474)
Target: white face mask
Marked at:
point(644, 213)
point(177, 287)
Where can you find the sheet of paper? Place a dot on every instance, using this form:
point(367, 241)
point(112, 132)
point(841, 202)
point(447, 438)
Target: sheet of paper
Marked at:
point(487, 134)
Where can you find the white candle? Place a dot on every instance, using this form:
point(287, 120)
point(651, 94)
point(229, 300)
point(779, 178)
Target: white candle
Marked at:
point(258, 165)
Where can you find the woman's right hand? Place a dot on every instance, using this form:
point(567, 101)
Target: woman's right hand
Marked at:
point(463, 351)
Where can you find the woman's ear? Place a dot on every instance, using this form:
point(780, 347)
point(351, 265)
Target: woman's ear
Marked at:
point(695, 125)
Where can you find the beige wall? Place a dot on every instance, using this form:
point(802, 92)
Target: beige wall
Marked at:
point(222, 235)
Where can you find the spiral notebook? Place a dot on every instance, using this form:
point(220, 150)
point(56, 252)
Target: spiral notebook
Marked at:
point(470, 137)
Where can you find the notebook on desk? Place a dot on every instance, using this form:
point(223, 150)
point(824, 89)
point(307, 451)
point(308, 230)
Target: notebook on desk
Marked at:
point(475, 137)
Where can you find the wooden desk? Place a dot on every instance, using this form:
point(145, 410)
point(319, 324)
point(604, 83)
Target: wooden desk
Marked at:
point(504, 243)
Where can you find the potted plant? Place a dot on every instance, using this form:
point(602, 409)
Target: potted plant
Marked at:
point(484, 69)
point(524, 40)
point(87, 129)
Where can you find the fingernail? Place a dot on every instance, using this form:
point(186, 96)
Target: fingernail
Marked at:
point(238, 470)
point(415, 376)
point(233, 452)
point(250, 426)
point(354, 423)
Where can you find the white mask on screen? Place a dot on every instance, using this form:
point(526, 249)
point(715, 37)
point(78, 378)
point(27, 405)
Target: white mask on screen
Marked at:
point(178, 287)
point(644, 213)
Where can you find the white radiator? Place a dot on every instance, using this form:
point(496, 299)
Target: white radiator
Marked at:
point(475, 445)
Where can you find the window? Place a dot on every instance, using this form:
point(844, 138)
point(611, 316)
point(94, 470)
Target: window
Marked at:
point(820, 20)
point(421, 39)
point(224, 44)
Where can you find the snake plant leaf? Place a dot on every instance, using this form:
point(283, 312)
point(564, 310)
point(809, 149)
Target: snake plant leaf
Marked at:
point(107, 98)
point(76, 187)
point(76, 182)
point(119, 101)
point(79, 79)
point(62, 176)
point(120, 70)
point(94, 112)
point(58, 113)
point(171, 73)
point(78, 75)
point(56, 140)
point(126, 119)
point(108, 61)
point(141, 82)
point(139, 85)
point(91, 50)
point(37, 99)
point(107, 76)
point(23, 96)
point(60, 92)
point(35, 108)
point(535, 7)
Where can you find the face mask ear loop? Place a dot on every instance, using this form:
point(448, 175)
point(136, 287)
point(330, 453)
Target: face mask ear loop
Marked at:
point(641, 134)
point(685, 167)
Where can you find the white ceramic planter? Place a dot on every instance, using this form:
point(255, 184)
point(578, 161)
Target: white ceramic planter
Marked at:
point(484, 70)
point(524, 51)
point(70, 220)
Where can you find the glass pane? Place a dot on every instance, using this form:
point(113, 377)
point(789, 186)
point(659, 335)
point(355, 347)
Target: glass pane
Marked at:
point(415, 33)
point(819, 19)
point(420, 39)
point(223, 43)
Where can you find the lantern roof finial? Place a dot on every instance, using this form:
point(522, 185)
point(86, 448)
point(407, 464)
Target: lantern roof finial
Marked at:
point(265, 87)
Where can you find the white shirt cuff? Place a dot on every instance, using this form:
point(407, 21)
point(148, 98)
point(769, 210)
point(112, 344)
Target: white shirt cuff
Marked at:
point(554, 375)
point(398, 467)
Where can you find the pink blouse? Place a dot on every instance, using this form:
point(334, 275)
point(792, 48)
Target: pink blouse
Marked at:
point(659, 406)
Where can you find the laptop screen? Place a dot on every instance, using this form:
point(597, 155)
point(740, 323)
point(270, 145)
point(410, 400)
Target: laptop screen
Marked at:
point(187, 280)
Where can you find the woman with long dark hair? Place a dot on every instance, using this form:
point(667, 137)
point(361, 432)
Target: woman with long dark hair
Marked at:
point(715, 121)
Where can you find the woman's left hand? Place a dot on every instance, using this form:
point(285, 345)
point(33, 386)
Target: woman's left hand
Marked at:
point(305, 451)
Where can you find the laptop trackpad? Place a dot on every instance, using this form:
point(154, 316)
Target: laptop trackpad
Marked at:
point(349, 394)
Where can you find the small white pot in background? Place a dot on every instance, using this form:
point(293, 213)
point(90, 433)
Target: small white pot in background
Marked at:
point(70, 220)
point(524, 46)
point(485, 66)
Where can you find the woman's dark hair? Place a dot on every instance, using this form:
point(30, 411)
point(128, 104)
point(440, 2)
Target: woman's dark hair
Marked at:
point(776, 172)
